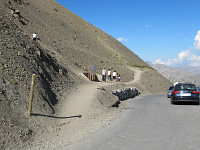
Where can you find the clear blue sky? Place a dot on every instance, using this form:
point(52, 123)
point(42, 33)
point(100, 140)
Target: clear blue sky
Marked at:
point(161, 31)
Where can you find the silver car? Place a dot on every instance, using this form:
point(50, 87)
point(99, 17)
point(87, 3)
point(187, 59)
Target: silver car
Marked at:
point(170, 91)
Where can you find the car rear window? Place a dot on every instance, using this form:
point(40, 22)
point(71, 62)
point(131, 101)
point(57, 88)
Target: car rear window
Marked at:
point(189, 87)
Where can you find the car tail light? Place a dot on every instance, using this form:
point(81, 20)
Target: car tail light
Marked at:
point(175, 92)
point(195, 92)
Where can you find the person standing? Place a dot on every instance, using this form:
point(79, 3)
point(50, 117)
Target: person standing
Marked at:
point(114, 75)
point(34, 36)
point(109, 74)
point(104, 74)
point(119, 78)
point(132, 77)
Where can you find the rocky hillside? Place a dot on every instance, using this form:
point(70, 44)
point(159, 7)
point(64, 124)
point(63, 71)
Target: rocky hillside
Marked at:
point(67, 44)
point(72, 40)
point(20, 57)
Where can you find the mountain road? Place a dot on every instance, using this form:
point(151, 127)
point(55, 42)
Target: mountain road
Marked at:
point(149, 123)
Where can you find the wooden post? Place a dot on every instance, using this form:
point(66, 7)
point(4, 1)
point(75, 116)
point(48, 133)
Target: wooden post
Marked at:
point(31, 94)
point(90, 73)
point(93, 73)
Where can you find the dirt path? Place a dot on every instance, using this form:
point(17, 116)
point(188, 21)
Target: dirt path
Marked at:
point(80, 101)
point(83, 114)
point(137, 76)
point(94, 116)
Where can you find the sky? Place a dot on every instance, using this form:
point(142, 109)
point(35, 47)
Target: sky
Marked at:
point(159, 31)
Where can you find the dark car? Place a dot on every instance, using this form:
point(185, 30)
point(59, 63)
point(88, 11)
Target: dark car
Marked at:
point(170, 91)
point(185, 92)
point(198, 89)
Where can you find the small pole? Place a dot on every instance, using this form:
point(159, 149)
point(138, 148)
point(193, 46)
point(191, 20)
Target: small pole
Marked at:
point(31, 94)
point(90, 73)
point(92, 70)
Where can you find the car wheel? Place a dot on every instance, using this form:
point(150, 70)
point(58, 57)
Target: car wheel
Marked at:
point(197, 102)
point(172, 102)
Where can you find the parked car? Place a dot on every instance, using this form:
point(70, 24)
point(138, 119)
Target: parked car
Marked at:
point(198, 89)
point(185, 92)
point(170, 91)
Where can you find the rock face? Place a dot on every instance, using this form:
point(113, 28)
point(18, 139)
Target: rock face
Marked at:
point(66, 45)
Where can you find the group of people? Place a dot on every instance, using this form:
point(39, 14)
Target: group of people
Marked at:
point(111, 76)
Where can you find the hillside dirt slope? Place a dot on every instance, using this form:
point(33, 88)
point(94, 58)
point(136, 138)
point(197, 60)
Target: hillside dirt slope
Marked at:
point(67, 45)
point(74, 42)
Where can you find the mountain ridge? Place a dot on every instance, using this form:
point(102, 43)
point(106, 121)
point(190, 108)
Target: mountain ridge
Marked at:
point(180, 74)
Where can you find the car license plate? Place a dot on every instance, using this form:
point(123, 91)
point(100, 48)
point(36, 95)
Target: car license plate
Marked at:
point(186, 94)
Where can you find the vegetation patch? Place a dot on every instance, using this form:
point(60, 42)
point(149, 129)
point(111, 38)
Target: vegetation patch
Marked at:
point(142, 66)
point(3, 68)
point(14, 82)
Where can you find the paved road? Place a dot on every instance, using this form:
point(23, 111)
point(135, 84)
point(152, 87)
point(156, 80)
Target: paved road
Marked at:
point(150, 123)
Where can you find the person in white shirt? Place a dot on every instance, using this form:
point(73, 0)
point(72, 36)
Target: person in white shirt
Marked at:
point(109, 74)
point(103, 74)
point(114, 75)
point(34, 36)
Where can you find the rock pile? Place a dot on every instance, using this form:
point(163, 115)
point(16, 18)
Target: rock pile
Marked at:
point(126, 93)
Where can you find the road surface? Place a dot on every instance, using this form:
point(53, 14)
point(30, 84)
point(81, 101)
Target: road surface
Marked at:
point(149, 123)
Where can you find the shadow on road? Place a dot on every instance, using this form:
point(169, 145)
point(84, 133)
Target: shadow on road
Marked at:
point(78, 116)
